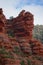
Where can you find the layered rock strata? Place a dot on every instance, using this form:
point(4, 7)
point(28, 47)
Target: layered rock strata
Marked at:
point(22, 48)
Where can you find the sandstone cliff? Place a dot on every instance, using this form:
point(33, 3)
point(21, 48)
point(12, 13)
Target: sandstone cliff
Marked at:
point(22, 48)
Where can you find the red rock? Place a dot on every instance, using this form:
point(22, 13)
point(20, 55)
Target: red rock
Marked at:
point(22, 46)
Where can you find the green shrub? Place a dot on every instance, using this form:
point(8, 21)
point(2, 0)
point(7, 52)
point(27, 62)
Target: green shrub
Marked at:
point(5, 53)
point(29, 62)
point(22, 62)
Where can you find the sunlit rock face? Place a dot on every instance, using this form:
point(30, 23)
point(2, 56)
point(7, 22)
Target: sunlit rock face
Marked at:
point(22, 48)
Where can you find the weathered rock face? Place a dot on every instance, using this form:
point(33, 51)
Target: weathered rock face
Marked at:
point(23, 25)
point(21, 49)
point(2, 16)
point(2, 20)
point(37, 47)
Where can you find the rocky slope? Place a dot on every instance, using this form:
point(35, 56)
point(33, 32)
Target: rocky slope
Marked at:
point(21, 49)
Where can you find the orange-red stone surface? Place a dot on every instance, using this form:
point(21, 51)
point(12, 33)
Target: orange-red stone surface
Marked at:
point(22, 48)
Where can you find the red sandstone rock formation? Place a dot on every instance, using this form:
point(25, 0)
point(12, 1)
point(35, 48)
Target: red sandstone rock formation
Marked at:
point(21, 49)
point(23, 25)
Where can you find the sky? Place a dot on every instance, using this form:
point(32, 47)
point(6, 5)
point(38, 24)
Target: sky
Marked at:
point(14, 7)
